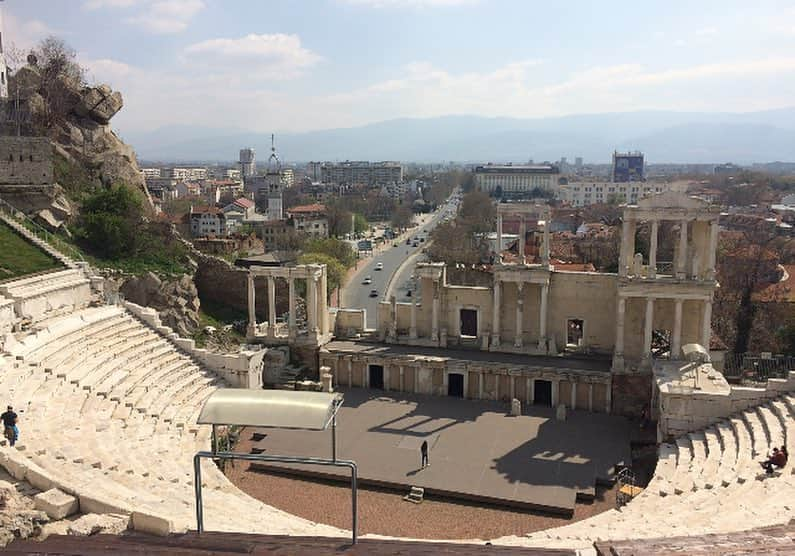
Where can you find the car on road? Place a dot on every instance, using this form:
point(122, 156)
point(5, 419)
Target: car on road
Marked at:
point(379, 266)
point(367, 280)
point(373, 293)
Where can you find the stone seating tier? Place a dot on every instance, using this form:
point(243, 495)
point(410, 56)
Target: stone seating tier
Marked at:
point(108, 408)
point(708, 482)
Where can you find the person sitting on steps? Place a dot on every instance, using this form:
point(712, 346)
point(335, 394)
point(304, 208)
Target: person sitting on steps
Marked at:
point(778, 459)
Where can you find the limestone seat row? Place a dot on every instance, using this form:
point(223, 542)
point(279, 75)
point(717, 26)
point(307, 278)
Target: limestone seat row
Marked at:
point(44, 295)
point(108, 412)
point(705, 482)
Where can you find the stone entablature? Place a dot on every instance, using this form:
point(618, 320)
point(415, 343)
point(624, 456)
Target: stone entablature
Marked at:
point(421, 373)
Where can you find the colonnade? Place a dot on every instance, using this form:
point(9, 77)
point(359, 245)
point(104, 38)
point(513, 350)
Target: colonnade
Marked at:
point(648, 326)
point(496, 324)
point(523, 211)
point(317, 320)
point(683, 254)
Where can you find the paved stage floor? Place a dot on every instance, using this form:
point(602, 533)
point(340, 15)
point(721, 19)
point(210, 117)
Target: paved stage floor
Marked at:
point(477, 450)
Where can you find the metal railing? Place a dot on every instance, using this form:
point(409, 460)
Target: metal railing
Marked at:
point(755, 367)
point(55, 242)
point(274, 459)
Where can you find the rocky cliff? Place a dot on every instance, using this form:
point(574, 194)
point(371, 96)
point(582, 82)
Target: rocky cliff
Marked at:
point(76, 118)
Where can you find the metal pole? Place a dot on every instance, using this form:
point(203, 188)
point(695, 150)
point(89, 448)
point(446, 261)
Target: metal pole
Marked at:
point(197, 472)
point(354, 517)
point(334, 438)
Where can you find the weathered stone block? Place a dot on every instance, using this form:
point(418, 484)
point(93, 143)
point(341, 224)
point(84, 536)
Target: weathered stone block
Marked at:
point(56, 504)
point(91, 524)
point(154, 524)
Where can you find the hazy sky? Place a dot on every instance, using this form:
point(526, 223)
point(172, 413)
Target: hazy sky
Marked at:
point(307, 64)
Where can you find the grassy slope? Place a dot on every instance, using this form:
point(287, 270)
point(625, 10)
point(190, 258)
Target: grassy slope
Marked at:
point(18, 257)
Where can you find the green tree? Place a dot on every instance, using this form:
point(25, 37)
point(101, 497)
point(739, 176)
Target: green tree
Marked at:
point(335, 272)
point(338, 249)
point(360, 224)
point(111, 222)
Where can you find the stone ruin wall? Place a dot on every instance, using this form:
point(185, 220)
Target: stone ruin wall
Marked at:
point(26, 161)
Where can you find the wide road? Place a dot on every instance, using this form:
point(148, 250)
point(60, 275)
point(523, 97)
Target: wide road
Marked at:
point(356, 295)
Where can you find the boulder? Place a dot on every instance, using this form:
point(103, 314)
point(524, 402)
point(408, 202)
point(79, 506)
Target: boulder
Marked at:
point(91, 524)
point(99, 103)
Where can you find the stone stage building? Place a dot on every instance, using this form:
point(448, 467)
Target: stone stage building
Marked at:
point(541, 335)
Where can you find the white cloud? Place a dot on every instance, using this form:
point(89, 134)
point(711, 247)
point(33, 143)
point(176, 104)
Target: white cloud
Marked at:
point(410, 3)
point(100, 4)
point(24, 34)
point(706, 32)
point(167, 16)
point(105, 70)
point(272, 56)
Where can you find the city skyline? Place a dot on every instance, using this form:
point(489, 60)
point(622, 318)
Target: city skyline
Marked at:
point(340, 63)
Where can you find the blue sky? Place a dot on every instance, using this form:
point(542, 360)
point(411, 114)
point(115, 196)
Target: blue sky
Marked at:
point(309, 64)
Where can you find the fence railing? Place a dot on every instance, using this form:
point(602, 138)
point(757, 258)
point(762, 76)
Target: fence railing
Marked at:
point(756, 367)
point(38, 231)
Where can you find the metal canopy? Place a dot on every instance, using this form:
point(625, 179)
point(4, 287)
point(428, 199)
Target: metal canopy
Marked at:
point(283, 409)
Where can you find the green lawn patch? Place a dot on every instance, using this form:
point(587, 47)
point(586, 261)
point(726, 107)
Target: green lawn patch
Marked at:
point(18, 257)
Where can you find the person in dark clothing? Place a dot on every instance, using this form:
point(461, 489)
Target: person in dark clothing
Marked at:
point(10, 425)
point(778, 459)
point(424, 452)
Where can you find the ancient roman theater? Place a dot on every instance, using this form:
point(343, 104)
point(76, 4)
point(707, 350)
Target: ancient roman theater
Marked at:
point(526, 388)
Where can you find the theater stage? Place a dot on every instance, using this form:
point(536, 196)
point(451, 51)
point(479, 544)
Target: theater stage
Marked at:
point(478, 452)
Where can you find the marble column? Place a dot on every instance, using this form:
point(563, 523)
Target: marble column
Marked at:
point(498, 258)
point(555, 391)
point(480, 385)
point(435, 313)
point(573, 395)
point(542, 325)
point(350, 373)
point(608, 398)
point(522, 234)
point(512, 387)
point(271, 307)
point(413, 324)
point(653, 249)
point(311, 304)
point(531, 386)
point(648, 323)
point(323, 304)
point(681, 256)
point(416, 380)
point(252, 306)
point(590, 396)
point(706, 324)
point(291, 321)
point(402, 385)
point(495, 320)
point(676, 335)
point(387, 377)
point(618, 352)
point(519, 314)
point(713, 249)
point(545, 249)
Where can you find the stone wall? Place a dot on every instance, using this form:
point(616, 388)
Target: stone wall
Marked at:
point(222, 283)
point(240, 370)
point(175, 299)
point(631, 393)
point(26, 161)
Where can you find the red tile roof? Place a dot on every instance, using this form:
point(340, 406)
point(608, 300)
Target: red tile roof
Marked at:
point(307, 209)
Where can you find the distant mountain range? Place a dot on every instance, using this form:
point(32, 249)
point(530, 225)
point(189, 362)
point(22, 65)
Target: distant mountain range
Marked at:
point(665, 136)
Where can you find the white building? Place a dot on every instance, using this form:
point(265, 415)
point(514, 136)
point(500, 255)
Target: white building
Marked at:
point(360, 172)
point(510, 180)
point(207, 221)
point(310, 219)
point(583, 193)
point(150, 173)
point(248, 164)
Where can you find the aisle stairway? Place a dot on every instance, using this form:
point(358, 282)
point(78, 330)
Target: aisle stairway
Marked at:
point(706, 482)
point(108, 412)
